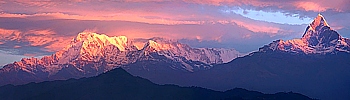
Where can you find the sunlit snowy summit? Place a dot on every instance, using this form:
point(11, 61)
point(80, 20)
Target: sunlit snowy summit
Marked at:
point(90, 54)
point(319, 38)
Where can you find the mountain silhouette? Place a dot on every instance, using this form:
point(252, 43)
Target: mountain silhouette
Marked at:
point(119, 84)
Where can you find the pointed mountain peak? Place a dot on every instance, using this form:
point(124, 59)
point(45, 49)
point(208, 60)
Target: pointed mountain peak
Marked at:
point(320, 35)
point(318, 21)
point(316, 27)
point(318, 38)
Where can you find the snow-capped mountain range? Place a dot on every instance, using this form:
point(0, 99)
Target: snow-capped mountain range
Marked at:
point(316, 64)
point(318, 38)
point(88, 51)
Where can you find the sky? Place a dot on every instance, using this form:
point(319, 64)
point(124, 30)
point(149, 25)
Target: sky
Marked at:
point(34, 28)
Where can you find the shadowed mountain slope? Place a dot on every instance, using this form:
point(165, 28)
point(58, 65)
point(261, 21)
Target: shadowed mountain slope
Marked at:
point(118, 84)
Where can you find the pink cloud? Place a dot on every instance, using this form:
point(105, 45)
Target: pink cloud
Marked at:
point(153, 12)
point(46, 38)
point(122, 17)
point(9, 34)
point(310, 6)
point(41, 32)
point(30, 55)
point(16, 46)
point(2, 14)
point(36, 3)
point(247, 36)
point(189, 19)
point(39, 37)
point(143, 0)
point(45, 3)
point(258, 28)
point(58, 45)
